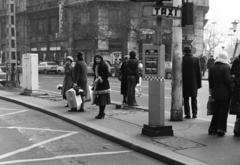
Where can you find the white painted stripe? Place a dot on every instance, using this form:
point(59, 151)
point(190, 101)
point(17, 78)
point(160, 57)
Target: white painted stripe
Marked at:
point(63, 157)
point(35, 145)
point(41, 129)
point(8, 109)
point(13, 113)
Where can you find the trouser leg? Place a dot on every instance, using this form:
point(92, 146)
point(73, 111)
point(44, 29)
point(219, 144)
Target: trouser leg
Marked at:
point(194, 105)
point(186, 106)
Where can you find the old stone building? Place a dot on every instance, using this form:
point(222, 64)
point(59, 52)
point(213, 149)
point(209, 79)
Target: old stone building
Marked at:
point(57, 28)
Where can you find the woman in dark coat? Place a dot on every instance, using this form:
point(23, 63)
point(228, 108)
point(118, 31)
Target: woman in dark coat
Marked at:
point(68, 79)
point(124, 83)
point(101, 85)
point(132, 78)
point(235, 102)
point(80, 78)
point(219, 87)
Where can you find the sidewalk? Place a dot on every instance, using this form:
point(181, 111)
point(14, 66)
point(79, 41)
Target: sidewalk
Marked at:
point(190, 144)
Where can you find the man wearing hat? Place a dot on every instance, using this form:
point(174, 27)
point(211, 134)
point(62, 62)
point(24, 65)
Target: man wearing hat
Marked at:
point(210, 62)
point(191, 80)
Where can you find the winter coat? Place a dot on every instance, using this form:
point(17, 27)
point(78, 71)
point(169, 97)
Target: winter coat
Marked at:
point(210, 63)
point(124, 83)
point(203, 63)
point(219, 79)
point(191, 75)
point(235, 102)
point(80, 75)
point(68, 80)
point(103, 73)
point(132, 68)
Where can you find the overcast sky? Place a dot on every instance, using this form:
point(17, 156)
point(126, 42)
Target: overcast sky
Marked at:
point(223, 12)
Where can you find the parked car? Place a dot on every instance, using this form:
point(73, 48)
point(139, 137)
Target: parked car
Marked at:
point(111, 69)
point(168, 69)
point(3, 77)
point(60, 69)
point(46, 67)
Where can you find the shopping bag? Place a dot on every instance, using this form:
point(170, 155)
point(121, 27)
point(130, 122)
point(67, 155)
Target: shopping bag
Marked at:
point(210, 105)
point(91, 93)
point(237, 127)
point(74, 101)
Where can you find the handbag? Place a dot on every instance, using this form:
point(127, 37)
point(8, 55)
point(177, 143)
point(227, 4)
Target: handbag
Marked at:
point(92, 95)
point(120, 76)
point(210, 105)
point(236, 130)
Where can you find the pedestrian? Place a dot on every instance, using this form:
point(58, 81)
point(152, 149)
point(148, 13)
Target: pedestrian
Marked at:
point(68, 79)
point(210, 62)
point(132, 78)
point(219, 88)
point(101, 85)
point(138, 88)
point(124, 84)
point(191, 80)
point(80, 78)
point(203, 64)
point(235, 102)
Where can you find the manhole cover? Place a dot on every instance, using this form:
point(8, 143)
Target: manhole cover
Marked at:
point(178, 143)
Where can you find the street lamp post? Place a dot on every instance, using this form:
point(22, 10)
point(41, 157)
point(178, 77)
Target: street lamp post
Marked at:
point(235, 23)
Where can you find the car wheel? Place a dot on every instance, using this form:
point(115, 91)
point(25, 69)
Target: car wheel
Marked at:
point(45, 71)
point(169, 75)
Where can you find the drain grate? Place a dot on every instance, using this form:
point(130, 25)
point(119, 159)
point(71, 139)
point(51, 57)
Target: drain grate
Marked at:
point(178, 143)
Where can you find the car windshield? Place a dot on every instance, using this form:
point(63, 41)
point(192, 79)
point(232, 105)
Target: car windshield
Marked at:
point(51, 63)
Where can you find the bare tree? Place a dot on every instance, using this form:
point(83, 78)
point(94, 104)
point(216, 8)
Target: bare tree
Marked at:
point(213, 37)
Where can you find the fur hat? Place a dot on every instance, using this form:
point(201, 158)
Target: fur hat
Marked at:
point(223, 57)
point(69, 58)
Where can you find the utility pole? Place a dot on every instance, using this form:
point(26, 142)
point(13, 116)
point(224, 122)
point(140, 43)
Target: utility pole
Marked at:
point(177, 99)
point(11, 46)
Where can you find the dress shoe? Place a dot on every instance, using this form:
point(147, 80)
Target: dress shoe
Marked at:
point(220, 133)
point(212, 132)
point(187, 117)
point(194, 116)
point(81, 110)
point(72, 110)
point(100, 116)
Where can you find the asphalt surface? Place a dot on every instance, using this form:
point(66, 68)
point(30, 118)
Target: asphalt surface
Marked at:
point(31, 137)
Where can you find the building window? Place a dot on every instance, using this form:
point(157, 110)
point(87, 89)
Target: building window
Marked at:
point(12, 20)
point(53, 25)
point(12, 31)
point(12, 43)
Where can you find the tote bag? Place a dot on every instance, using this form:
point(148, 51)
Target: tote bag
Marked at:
point(210, 105)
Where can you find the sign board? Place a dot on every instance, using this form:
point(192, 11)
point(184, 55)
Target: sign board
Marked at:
point(152, 61)
point(162, 11)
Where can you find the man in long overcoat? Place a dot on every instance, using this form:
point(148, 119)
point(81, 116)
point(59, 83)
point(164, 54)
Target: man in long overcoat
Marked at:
point(192, 81)
point(80, 77)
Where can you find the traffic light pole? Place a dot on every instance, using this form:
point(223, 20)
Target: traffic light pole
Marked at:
point(177, 99)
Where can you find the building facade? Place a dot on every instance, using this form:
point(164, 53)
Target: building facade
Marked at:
point(57, 28)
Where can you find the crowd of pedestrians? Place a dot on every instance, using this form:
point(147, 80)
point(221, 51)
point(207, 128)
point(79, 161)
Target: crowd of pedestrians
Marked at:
point(224, 84)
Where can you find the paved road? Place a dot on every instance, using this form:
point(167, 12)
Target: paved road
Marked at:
point(49, 82)
point(29, 137)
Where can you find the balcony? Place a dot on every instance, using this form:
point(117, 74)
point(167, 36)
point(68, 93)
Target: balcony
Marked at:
point(43, 6)
point(3, 12)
